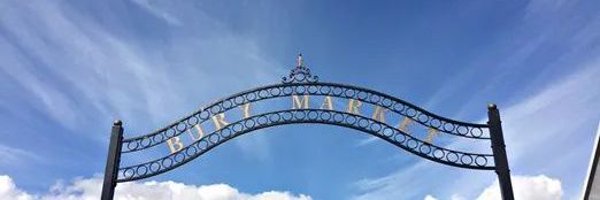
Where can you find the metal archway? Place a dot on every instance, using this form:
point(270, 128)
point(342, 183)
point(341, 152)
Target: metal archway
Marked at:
point(301, 83)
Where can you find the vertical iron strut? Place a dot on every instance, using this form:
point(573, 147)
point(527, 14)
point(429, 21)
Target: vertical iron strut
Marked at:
point(112, 162)
point(499, 150)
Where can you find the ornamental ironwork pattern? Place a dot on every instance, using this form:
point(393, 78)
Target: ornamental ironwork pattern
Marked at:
point(418, 115)
point(300, 73)
point(297, 116)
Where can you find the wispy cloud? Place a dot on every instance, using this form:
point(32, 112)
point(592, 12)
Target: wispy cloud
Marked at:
point(367, 141)
point(548, 128)
point(15, 157)
point(78, 71)
point(556, 116)
point(154, 10)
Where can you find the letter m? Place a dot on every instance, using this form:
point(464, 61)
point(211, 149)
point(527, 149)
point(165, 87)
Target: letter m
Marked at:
point(299, 103)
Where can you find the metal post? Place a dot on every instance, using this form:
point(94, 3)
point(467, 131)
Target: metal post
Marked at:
point(499, 150)
point(112, 162)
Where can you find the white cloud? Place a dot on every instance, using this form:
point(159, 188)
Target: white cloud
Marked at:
point(8, 190)
point(454, 197)
point(527, 188)
point(524, 187)
point(90, 189)
point(457, 197)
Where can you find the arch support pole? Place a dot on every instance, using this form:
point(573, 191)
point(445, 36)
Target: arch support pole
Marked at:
point(499, 150)
point(112, 162)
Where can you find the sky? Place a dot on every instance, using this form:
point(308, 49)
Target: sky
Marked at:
point(68, 69)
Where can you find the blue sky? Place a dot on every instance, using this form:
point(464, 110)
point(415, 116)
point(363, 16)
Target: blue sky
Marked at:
point(69, 68)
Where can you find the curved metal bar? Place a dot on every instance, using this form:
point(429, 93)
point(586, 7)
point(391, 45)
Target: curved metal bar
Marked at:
point(419, 115)
point(298, 116)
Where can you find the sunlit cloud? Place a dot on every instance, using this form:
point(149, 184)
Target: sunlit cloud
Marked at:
point(90, 189)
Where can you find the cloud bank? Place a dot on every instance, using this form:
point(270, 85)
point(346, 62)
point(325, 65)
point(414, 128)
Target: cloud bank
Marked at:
point(525, 188)
point(90, 189)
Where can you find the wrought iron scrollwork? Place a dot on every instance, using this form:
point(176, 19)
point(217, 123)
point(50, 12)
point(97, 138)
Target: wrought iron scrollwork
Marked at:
point(300, 74)
point(296, 116)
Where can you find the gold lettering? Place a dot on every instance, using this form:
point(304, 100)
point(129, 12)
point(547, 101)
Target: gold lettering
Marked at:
point(246, 109)
point(353, 106)
point(431, 133)
point(219, 121)
point(174, 144)
point(199, 130)
point(298, 103)
point(379, 114)
point(404, 125)
point(327, 103)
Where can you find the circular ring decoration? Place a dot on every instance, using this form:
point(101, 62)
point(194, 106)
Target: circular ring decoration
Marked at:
point(297, 116)
point(395, 105)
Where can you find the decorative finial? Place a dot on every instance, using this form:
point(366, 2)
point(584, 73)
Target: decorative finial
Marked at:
point(299, 61)
point(300, 73)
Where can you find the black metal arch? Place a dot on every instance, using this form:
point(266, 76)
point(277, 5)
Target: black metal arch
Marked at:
point(393, 104)
point(297, 116)
point(300, 81)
